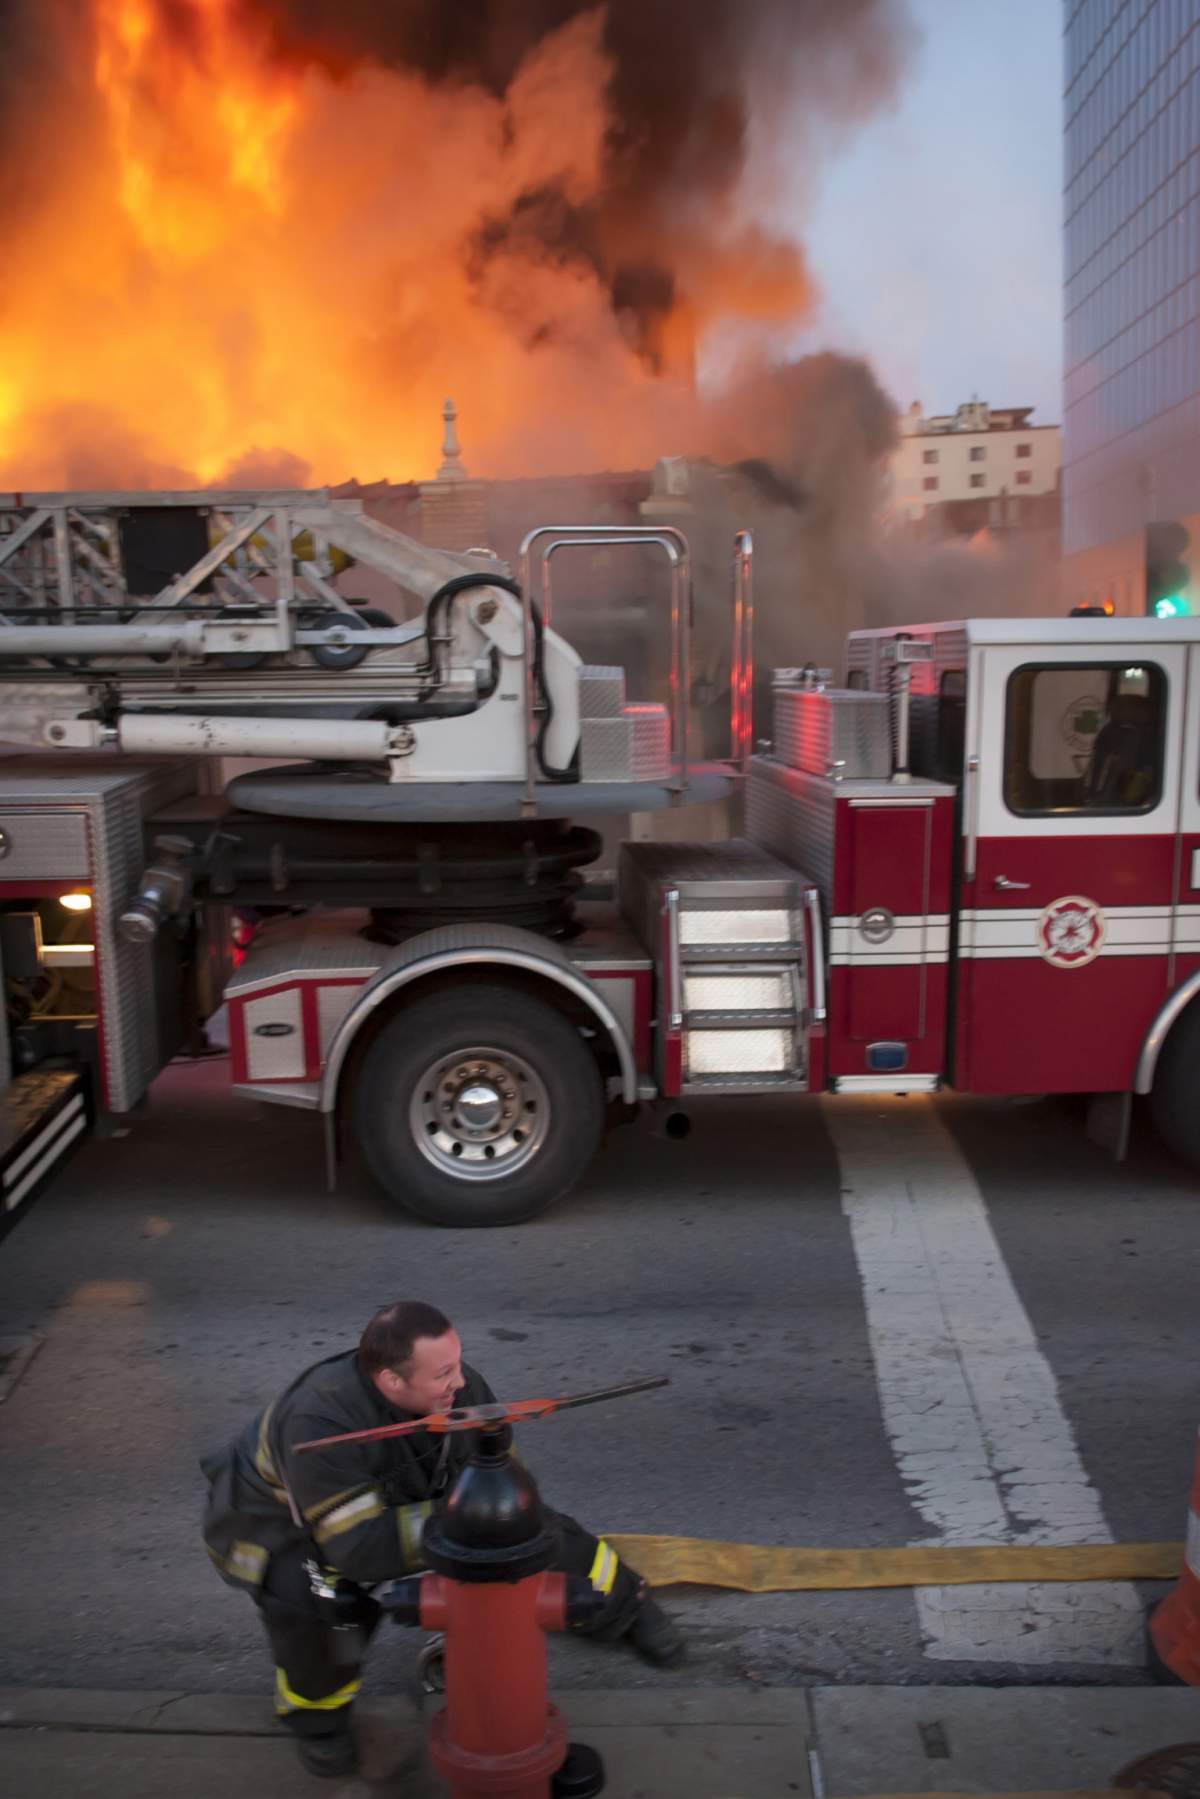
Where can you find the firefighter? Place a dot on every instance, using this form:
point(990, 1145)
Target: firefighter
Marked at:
point(308, 1536)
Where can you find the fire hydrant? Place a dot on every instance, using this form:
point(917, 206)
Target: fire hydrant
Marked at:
point(493, 1597)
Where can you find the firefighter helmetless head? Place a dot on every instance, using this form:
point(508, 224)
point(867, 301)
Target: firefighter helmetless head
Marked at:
point(412, 1353)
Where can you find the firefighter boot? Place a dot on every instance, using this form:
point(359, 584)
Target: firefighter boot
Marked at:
point(656, 1636)
point(331, 1753)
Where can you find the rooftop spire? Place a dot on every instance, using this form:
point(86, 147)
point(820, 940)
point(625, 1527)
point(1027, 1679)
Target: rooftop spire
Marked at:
point(452, 463)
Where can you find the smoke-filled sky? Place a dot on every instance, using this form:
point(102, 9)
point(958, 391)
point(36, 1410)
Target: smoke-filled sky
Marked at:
point(936, 238)
point(248, 241)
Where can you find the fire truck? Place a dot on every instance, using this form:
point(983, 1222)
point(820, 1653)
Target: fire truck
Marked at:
point(368, 832)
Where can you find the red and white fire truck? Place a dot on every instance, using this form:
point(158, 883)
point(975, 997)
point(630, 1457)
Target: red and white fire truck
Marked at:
point(974, 862)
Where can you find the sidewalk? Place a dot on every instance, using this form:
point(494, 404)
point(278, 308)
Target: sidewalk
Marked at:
point(701, 1743)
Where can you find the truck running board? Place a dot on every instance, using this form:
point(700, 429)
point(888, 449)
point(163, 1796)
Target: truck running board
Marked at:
point(44, 1116)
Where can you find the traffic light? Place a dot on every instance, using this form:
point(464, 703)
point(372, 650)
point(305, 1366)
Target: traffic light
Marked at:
point(1168, 579)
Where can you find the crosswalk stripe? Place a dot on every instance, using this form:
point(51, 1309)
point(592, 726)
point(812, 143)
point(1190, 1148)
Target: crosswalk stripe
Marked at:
point(969, 1401)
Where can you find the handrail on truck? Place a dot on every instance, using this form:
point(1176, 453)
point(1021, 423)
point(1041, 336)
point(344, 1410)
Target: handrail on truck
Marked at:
point(741, 661)
point(675, 545)
point(812, 906)
point(674, 961)
point(681, 654)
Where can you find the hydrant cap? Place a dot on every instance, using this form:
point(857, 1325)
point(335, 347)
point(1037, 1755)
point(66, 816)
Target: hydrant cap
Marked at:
point(493, 1527)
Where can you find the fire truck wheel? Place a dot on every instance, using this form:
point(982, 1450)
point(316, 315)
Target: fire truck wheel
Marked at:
point(478, 1107)
point(1175, 1098)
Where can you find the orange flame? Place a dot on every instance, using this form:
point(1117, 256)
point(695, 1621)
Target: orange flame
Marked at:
point(191, 127)
point(249, 271)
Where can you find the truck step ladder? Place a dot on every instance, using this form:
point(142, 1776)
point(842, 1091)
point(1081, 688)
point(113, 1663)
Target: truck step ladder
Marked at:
point(738, 942)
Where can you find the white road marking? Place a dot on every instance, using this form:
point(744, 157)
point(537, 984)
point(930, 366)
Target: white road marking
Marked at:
point(969, 1400)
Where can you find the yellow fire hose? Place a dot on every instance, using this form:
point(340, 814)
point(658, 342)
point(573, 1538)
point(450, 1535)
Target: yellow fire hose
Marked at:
point(754, 1568)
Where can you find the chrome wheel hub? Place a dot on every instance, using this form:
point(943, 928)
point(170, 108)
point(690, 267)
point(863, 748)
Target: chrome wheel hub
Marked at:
point(479, 1114)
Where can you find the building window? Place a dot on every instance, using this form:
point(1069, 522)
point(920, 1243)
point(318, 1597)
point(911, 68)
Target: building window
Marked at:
point(1024, 449)
point(1024, 477)
point(929, 455)
point(930, 483)
point(978, 452)
point(1084, 738)
point(978, 480)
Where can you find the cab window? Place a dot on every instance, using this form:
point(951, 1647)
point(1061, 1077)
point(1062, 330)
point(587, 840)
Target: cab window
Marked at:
point(1084, 737)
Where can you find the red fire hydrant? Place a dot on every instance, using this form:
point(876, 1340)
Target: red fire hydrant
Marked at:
point(493, 1598)
point(491, 1595)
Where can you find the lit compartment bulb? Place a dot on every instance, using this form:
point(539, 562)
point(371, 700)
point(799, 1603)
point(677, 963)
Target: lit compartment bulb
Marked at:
point(76, 902)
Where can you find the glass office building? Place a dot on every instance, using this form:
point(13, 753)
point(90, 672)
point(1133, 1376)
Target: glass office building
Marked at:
point(1131, 401)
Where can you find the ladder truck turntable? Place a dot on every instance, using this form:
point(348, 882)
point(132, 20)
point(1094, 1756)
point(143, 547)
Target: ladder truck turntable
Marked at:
point(975, 864)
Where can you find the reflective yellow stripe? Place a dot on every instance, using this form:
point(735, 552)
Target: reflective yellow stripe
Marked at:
point(603, 1570)
point(331, 1502)
point(245, 1561)
point(288, 1701)
point(346, 1517)
point(264, 1461)
point(411, 1522)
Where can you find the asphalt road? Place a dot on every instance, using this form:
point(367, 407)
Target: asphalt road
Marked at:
point(808, 1276)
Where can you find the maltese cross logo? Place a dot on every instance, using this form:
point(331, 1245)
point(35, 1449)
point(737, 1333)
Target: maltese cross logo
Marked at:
point(1070, 932)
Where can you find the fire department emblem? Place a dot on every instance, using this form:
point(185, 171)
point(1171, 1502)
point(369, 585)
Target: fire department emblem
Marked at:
point(1070, 932)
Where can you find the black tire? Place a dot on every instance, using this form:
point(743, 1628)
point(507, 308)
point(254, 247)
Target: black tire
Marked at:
point(332, 655)
point(243, 659)
point(406, 1082)
point(1175, 1098)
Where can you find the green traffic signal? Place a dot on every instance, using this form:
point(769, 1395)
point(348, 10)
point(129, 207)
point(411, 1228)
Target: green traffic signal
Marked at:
point(1168, 578)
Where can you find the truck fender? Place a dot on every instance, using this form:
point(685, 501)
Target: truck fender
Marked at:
point(1170, 1010)
point(480, 947)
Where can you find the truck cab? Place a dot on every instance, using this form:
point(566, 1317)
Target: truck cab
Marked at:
point(1073, 750)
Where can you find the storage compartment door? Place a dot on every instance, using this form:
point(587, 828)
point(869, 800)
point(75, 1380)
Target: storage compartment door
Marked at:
point(888, 946)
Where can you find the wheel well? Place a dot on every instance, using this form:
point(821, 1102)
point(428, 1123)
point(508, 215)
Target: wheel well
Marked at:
point(1180, 1005)
point(450, 980)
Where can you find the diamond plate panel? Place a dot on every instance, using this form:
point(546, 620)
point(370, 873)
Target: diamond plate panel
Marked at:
point(333, 1003)
point(132, 1052)
point(743, 991)
point(651, 742)
point(860, 658)
point(865, 655)
point(605, 749)
point(59, 802)
point(601, 691)
point(753, 1051)
point(792, 815)
point(314, 945)
point(735, 926)
point(674, 864)
point(634, 747)
point(817, 729)
point(274, 1036)
point(738, 873)
point(43, 846)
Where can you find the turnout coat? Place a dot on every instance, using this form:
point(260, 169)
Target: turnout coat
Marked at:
point(361, 1506)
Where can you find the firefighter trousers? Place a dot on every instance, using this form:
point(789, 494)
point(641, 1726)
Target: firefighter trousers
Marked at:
point(318, 1666)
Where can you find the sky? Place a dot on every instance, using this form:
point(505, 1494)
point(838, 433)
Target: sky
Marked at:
point(936, 238)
